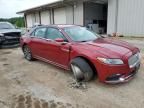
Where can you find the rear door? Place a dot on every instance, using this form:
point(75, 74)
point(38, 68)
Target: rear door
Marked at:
point(37, 43)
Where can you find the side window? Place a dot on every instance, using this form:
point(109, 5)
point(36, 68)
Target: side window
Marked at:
point(53, 33)
point(33, 33)
point(40, 32)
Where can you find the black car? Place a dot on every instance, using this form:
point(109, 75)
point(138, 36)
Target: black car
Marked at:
point(9, 35)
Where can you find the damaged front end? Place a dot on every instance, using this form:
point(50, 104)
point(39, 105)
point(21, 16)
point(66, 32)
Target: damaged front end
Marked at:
point(11, 39)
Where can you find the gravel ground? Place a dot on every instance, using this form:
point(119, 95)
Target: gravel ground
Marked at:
point(37, 84)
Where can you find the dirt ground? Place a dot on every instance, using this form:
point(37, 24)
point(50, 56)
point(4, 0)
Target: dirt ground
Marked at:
point(37, 84)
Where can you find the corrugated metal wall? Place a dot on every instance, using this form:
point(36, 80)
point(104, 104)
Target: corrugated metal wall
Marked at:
point(64, 15)
point(60, 16)
point(32, 19)
point(37, 18)
point(29, 20)
point(69, 15)
point(78, 14)
point(45, 17)
point(130, 17)
point(112, 16)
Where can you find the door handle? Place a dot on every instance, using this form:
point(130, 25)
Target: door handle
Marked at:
point(65, 49)
point(49, 40)
point(64, 43)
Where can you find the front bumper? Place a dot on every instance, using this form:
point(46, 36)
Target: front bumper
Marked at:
point(121, 78)
point(9, 42)
point(114, 74)
point(2, 38)
point(10, 39)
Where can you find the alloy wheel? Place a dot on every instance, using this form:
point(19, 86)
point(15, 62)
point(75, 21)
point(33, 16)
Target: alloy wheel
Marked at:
point(27, 53)
point(78, 74)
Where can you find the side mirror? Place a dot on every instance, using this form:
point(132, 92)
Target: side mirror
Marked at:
point(59, 40)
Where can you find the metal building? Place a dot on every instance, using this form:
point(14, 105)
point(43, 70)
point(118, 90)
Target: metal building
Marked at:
point(104, 16)
point(126, 17)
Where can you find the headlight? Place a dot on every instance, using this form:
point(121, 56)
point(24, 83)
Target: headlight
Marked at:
point(111, 61)
point(1, 34)
point(139, 55)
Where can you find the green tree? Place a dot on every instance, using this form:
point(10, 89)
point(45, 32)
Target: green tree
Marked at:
point(17, 21)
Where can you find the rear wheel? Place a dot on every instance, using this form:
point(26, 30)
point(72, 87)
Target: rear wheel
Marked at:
point(81, 69)
point(27, 53)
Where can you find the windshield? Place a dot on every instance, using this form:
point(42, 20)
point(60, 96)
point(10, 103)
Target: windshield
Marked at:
point(81, 34)
point(6, 26)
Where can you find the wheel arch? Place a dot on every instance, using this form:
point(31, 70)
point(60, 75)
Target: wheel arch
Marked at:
point(24, 44)
point(89, 62)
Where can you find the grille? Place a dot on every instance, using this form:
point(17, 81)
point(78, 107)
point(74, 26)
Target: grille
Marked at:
point(15, 34)
point(9, 40)
point(134, 60)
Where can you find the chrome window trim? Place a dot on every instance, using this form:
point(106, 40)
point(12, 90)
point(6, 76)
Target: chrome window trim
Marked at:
point(44, 38)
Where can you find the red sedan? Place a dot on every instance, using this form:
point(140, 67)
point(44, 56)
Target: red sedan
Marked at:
point(83, 52)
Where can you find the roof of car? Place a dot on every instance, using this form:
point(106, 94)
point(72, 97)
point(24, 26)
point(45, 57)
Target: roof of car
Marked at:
point(60, 25)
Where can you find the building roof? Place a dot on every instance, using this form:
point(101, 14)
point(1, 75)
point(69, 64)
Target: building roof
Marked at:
point(41, 7)
point(57, 4)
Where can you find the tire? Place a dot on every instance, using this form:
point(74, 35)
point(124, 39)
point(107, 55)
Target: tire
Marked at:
point(0, 45)
point(27, 53)
point(81, 69)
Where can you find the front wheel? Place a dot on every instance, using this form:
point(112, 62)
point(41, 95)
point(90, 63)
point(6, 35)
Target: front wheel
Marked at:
point(27, 53)
point(81, 69)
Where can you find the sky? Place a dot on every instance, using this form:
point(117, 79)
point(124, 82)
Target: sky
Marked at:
point(8, 8)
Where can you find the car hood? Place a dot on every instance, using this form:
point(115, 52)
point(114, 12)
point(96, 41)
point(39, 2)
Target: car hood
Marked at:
point(9, 30)
point(109, 47)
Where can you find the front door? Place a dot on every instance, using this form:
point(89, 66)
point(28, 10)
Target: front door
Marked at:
point(56, 52)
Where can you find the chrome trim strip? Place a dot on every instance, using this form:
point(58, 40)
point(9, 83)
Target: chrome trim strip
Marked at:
point(41, 38)
point(65, 50)
point(49, 40)
point(51, 62)
point(121, 80)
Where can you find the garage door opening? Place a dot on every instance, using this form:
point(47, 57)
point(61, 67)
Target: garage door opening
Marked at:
point(95, 16)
